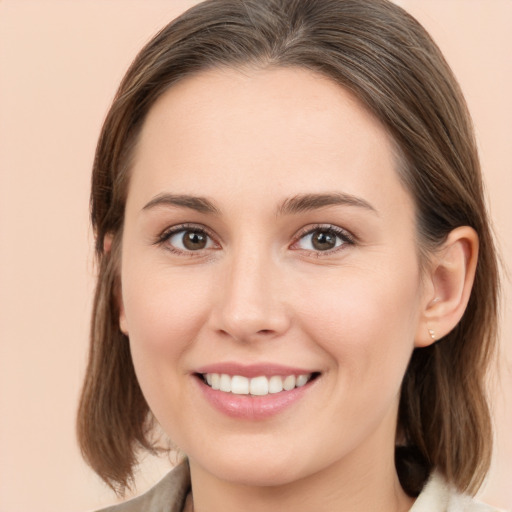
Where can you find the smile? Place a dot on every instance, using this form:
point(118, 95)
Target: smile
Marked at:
point(256, 386)
point(254, 392)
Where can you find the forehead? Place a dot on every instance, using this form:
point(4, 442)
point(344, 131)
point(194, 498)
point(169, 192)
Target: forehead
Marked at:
point(278, 129)
point(293, 102)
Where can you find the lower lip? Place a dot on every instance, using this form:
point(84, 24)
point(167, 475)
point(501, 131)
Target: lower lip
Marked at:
point(251, 407)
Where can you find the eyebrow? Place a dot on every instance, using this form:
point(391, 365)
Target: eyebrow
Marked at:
point(307, 202)
point(297, 204)
point(199, 204)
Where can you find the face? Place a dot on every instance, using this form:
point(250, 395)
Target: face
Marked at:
point(269, 250)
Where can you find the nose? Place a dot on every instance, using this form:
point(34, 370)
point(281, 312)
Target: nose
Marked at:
point(251, 302)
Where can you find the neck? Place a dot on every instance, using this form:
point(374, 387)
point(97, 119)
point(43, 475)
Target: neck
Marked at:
point(343, 486)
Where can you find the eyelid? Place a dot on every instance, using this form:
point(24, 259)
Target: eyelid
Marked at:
point(168, 232)
point(347, 237)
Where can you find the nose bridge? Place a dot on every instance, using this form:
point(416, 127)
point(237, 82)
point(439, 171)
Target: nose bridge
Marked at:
point(251, 301)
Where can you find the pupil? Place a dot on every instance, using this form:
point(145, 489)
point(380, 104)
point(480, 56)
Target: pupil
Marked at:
point(324, 240)
point(194, 240)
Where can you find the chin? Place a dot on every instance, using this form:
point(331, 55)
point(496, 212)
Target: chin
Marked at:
point(255, 474)
point(258, 467)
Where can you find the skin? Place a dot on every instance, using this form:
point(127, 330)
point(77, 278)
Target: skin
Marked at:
point(259, 291)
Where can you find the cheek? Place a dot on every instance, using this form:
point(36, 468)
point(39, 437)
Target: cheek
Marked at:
point(163, 309)
point(366, 321)
point(164, 313)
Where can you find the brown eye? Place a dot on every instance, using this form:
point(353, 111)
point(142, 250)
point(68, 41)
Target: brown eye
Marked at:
point(323, 239)
point(194, 240)
point(190, 240)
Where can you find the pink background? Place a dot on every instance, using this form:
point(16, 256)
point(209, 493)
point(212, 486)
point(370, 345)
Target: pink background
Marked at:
point(60, 63)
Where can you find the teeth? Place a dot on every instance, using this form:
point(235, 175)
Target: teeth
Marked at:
point(225, 383)
point(301, 380)
point(239, 385)
point(275, 384)
point(258, 386)
point(289, 382)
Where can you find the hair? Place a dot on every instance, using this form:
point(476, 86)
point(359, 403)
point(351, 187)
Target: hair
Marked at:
point(385, 58)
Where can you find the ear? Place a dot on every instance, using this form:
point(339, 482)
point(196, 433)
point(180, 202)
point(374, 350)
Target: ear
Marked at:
point(107, 243)
point(448, 285)
point(107, 247)
point(123, 325)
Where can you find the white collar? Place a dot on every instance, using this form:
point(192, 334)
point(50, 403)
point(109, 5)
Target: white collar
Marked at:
point(440, 496)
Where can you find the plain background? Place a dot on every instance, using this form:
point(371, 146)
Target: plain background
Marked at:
point(60, 63)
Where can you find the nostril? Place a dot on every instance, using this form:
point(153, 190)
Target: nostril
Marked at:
point(243, 322)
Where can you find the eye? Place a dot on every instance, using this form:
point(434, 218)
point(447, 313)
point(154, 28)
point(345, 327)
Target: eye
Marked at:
point(323, 239)
point(187, 239)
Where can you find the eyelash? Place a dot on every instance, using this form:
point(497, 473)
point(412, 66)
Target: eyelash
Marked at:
point(166, 235)
point(345, 237)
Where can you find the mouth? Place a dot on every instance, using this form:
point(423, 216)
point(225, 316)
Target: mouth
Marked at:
point(254, 392)
point(256, 386)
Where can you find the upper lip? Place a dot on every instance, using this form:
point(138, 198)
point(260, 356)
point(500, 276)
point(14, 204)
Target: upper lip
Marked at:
point(253, 370)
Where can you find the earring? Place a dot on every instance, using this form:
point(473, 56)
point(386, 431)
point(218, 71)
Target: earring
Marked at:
point(432, 333)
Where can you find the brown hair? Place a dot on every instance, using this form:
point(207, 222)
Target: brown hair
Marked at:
point(385, 58)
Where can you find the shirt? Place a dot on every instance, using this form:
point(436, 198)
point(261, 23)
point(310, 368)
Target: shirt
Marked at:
point(170, 493)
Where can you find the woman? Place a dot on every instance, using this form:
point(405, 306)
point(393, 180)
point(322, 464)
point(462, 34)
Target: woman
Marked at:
point(297, 279)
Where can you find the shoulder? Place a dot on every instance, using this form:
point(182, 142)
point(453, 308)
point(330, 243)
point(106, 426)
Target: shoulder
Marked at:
point(439, 496)
point(168, 495)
